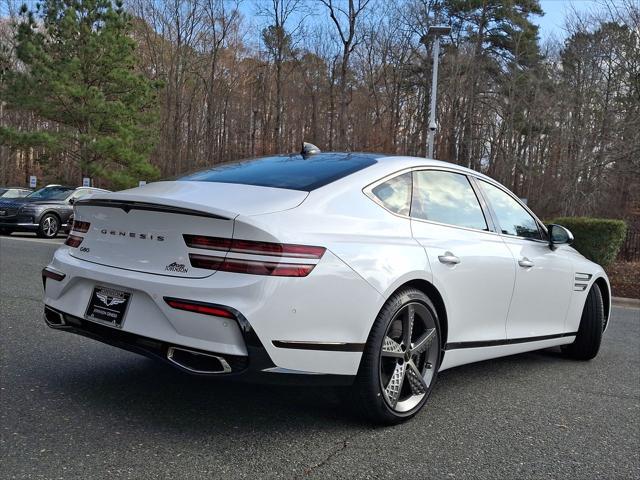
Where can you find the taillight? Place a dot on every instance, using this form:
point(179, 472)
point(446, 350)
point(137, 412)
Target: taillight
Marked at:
point(252, 267)
point(253, 247)
point(209, 243)
point(198, 307)
point(52, 274)
point(73, 241)
point(80, 226)
point(274, 268)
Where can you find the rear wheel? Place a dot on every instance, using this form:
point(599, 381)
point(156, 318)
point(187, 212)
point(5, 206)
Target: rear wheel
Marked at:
point(5, 231)
point(49, 226)
point(587, 342)
point(401, 358)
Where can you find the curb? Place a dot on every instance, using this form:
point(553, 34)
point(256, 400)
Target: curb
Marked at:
point(625, 302)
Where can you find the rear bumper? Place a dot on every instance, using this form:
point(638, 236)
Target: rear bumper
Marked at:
point(256, 366)
point(307, 327)
point(149, 347)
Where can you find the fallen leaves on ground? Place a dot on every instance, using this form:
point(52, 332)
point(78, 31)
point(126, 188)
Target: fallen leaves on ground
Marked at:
point(625, 279)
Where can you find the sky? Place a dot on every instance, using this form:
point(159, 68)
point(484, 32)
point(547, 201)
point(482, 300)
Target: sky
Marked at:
point(552, 23)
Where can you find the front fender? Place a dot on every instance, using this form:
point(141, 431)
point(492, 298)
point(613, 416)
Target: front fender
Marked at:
point(586, 273)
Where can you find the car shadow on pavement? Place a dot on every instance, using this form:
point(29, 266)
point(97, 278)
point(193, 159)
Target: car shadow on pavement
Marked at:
point(151, 392)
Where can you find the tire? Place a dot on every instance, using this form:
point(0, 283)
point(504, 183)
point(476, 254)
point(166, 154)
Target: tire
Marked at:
point(385, 391)
point(587, 342)
point(49, 226)
point(5, 231)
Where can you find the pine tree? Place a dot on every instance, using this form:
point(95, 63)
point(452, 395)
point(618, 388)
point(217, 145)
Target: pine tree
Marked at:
point(79, 78)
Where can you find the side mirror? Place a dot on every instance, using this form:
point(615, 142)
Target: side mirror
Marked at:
point(72, 201)
point(559, 235)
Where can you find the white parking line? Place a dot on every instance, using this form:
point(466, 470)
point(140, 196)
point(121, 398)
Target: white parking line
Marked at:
point(50, 241)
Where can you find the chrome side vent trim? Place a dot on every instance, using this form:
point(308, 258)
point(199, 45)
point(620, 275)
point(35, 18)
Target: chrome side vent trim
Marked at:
point(197, 362)
point(581, 281)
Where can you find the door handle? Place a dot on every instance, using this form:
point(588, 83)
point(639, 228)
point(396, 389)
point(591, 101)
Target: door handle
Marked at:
point(525, 262)
point(449, 258)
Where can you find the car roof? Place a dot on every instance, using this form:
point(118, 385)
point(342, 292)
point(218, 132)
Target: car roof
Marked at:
point(386, 165)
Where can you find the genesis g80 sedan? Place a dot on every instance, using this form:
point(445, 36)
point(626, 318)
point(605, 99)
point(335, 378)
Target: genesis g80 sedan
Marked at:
point(368, 270)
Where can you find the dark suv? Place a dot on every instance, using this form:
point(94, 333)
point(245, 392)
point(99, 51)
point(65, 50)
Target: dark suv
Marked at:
point(45, 211)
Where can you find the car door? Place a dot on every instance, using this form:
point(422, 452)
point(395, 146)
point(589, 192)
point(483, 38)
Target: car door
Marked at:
point(544, 277)
point(471, 265)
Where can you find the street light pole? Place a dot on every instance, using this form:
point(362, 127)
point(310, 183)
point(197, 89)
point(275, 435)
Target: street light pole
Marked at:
point(436, 31)
point(431, 134)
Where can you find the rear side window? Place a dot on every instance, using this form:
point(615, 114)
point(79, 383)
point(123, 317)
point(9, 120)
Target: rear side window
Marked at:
point(293, 172)
point(512, 217)
point(395, 194)
point(446, 197)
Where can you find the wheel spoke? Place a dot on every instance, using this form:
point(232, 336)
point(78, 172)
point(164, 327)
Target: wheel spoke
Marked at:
point(409, 350)
point(394, 387)
point(391, 348)
point(416, 381)
point(424, 342)
point(407, 326)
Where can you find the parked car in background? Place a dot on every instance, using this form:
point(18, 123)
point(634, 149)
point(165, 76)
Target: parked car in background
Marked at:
point(14, 192)
point(45, 211)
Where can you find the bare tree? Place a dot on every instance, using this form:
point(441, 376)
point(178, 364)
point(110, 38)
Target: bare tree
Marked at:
point(345, 20)
point(279, 38)
point(560, 121)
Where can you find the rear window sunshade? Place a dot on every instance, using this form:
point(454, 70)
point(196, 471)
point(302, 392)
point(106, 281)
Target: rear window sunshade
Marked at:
point(292, 172)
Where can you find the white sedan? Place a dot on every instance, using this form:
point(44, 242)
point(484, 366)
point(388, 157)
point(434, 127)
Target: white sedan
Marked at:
point(362, 269)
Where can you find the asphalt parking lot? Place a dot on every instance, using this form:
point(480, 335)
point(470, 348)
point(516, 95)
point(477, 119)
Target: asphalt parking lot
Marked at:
point(74, 408)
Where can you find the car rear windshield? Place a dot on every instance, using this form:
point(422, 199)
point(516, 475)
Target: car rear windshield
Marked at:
point(293, 172)
point(51, 193)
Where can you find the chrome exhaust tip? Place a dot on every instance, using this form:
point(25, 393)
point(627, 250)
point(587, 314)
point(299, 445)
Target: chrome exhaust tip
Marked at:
point(53, 318)
point(197, 362)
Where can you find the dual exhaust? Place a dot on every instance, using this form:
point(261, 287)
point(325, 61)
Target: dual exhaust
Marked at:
point(53, 318)
point(197, 362)
point(190, 360)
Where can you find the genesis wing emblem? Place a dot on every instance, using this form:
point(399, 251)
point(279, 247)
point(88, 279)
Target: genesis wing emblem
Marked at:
point(109, 301)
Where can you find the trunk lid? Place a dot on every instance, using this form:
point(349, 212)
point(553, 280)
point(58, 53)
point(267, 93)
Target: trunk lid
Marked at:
point(142, 229)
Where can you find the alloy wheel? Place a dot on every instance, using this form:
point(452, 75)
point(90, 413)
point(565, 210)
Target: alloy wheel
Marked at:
point(409, 357)
point(50, 226)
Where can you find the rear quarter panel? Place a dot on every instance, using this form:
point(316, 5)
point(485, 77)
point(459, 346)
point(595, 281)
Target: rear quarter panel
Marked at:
point(376, 244)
